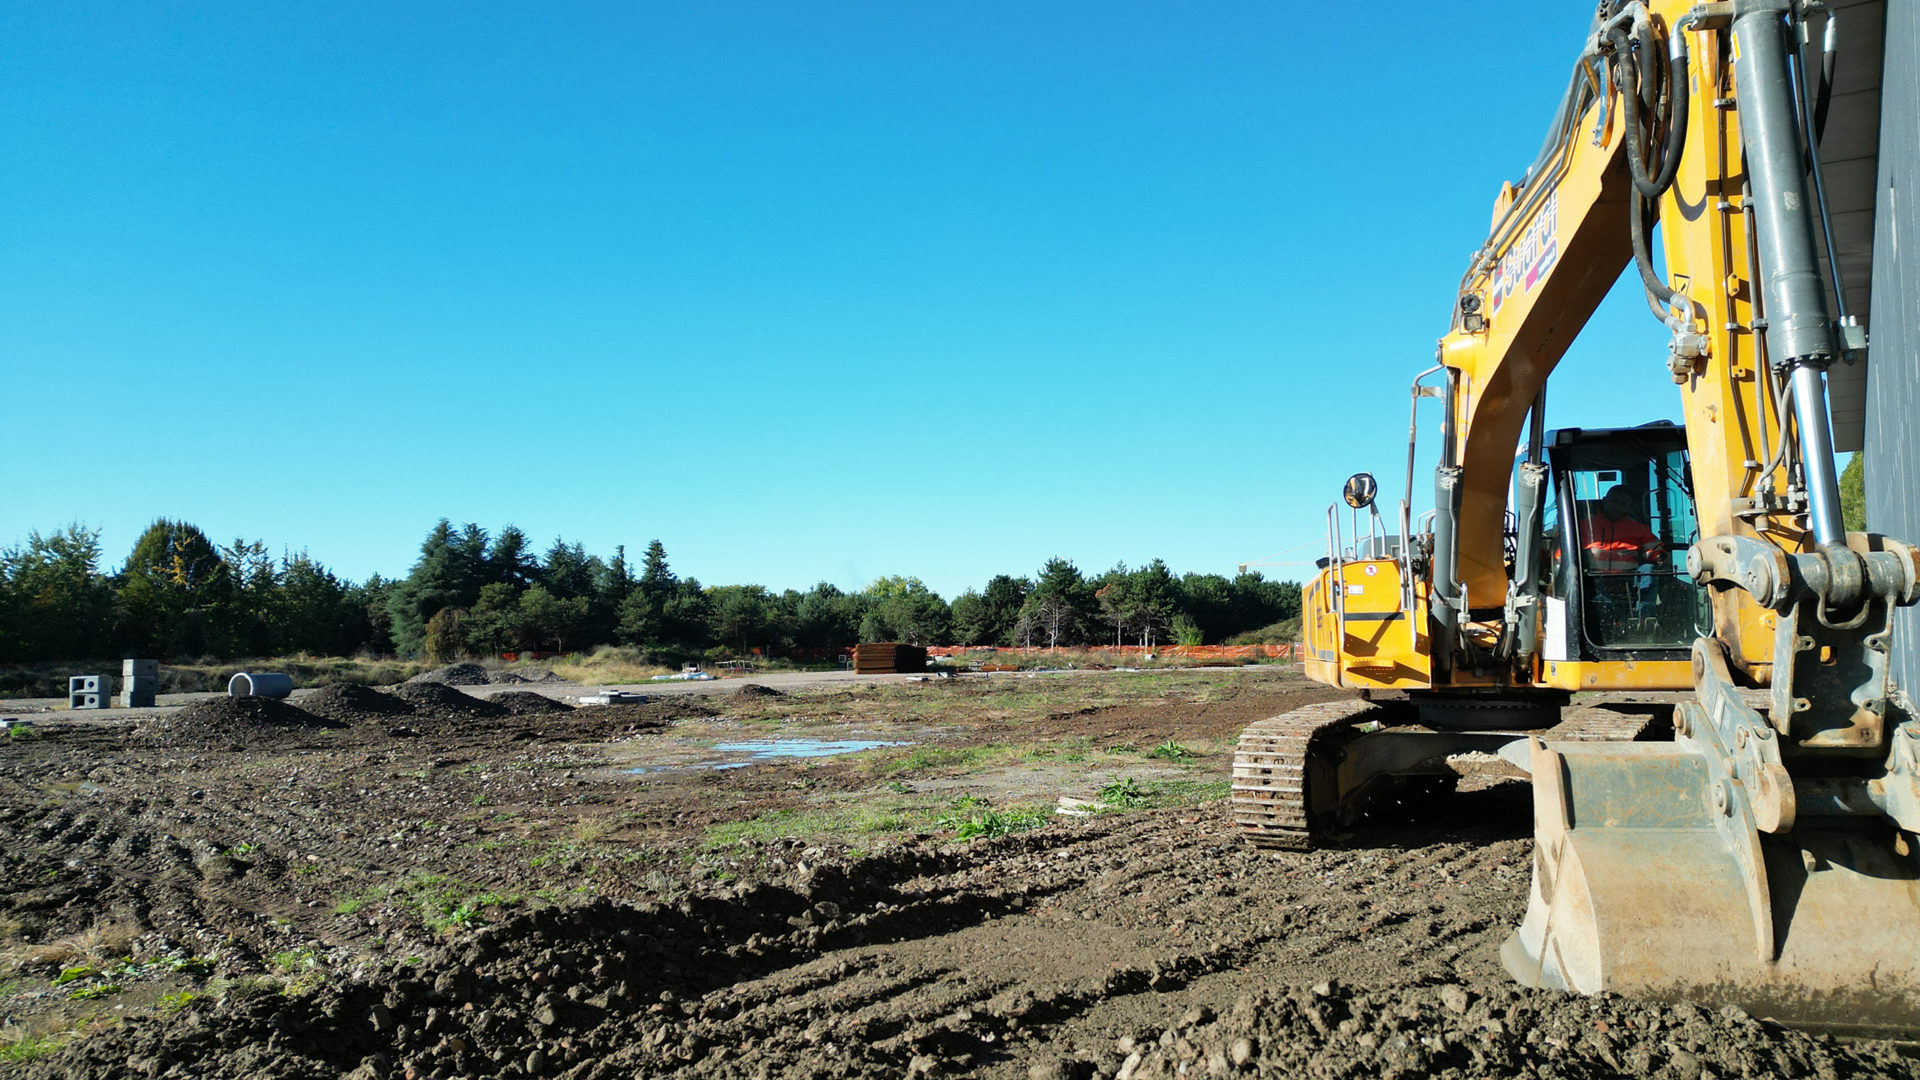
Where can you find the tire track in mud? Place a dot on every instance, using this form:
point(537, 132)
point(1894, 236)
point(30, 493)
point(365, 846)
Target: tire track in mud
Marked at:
point(1131, 946)
point(1144, 946)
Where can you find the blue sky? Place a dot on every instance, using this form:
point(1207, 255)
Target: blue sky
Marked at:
point(808, 292)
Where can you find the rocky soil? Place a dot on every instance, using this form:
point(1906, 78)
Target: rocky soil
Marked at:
point(414, 887)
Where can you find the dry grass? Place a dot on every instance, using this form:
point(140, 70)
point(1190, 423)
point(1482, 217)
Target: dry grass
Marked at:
point(1044, 659)
point(102, 943)
point(609, 665)
point(591, 830)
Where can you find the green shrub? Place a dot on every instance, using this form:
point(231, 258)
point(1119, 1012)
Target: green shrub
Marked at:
point(1124, 794)
point(971, 819)
point(1171, 751)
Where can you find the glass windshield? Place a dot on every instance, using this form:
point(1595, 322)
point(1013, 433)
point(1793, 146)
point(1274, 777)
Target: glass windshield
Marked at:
point(1630, 501)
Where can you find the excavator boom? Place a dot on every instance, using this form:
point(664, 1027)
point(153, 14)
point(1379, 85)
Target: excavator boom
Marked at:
point(1764, 854)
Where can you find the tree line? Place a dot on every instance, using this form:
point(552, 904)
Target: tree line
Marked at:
point(180, 595)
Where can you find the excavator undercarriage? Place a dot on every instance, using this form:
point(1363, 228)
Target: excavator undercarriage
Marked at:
point(1306, 778)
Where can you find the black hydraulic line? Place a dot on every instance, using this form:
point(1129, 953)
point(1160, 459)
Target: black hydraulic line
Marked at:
point(1642, 254)
point(1825, 95)
point(1809, 125)
point(1627, 78)
point(1829, 53)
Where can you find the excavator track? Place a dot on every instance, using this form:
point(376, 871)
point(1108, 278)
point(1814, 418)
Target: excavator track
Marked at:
point(1270, 771)
point(1275, 789)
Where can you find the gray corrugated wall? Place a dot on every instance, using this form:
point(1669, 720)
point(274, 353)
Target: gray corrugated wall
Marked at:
point(1893, 376)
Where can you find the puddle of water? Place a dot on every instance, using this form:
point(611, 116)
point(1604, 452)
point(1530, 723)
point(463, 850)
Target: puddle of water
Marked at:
point(774, 750)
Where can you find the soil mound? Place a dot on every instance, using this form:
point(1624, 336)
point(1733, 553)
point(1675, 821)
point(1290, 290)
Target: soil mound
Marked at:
point(656, 712)
point(234, 718)
point(756, 690)
point(454, 675)
point(438, 697)
point(527, 703)
point(351, 703)
point(524, 675)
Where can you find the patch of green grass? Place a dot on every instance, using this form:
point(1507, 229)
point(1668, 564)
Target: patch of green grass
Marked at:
point(445, 904)
point(846, 820)
point(927, 758)
point(1127, 793)
point(971, 817)
point(95, 992)
point(973, 823)
point(28, 1047)
point(1191, 792)
point(297, 960)
point(74, 974)
point(177, 1001)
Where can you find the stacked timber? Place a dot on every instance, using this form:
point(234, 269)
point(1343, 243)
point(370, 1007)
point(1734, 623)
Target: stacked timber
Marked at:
point(888, 658)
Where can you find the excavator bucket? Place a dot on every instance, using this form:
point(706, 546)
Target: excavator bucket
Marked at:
point(1651, 881)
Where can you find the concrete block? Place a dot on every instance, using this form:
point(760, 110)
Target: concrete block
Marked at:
point(90, 701)
point(139, 669)
point(139, 692)
point(90, 684)
point(614, 697)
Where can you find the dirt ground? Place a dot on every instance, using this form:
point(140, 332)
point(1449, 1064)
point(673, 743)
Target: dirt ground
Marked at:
point(432, 884)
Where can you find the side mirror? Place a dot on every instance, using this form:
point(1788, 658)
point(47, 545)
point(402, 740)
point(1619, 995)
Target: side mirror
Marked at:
point(1360, 490)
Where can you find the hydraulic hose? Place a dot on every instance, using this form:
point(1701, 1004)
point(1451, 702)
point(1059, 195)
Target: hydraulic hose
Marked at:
point(1825, 96)
point(1627, 78)
point(1642, 255)
point(1829, 53)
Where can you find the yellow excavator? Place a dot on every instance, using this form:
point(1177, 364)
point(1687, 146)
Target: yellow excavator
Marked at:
point(1667, 627)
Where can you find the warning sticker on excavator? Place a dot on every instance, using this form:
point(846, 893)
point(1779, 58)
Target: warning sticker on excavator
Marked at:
point(1530, 257)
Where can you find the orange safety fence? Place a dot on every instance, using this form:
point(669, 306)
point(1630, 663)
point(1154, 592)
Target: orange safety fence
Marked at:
point(1292, 651)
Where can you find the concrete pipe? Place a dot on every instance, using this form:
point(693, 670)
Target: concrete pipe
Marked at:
point(262, 684)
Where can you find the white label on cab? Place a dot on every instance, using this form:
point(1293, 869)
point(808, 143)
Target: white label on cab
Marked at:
point(1356, 590)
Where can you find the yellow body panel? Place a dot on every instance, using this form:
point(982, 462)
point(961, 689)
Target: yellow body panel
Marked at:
point(1617, 675)
point(1359, 634)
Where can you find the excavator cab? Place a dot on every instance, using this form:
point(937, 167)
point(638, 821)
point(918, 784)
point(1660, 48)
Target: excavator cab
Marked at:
point(1616, 533)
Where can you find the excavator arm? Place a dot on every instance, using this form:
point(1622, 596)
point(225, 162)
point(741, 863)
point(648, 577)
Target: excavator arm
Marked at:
point(1768, 855)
